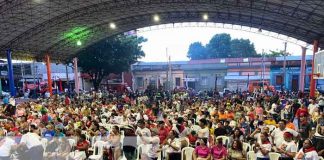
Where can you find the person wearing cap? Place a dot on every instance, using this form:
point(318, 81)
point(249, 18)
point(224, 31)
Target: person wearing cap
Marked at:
point(34, 146)
point(7, 145)
point(153, 144)
point(278, 133)
point(288, 148)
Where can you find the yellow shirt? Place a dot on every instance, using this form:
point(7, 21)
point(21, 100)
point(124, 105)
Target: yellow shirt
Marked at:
point(270, 122)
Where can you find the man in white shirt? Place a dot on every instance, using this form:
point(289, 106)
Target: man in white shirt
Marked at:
point(278, 134)
point(6, 146)
point(141, 131)
point(153, 144)
point(33, 143)
point(312, 106)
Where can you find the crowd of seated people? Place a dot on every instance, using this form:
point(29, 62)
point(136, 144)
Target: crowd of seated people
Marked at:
point(161, 125)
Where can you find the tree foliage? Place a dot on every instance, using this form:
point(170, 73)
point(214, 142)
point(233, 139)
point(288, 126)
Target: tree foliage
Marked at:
point(219, 46)
point(276, 53)
point(197, 51)
point(111, 55)
point(222, 46)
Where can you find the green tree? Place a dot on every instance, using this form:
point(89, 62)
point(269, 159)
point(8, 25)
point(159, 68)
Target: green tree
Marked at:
point(111, 55)
point(196, 51)
point(276, 53)
point(242, 48)
point(219, 46)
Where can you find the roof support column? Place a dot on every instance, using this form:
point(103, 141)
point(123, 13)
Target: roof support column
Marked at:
point(10, 74)
point(49, 76)
point(302, 70)
point(312, 82)
point(76, 75)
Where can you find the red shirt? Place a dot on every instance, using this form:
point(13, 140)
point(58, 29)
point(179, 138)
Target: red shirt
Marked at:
point(163, 134)
point(301, 111)
point(80, 145)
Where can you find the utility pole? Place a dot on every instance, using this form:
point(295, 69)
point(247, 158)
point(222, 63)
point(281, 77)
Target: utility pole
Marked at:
point(284, 65)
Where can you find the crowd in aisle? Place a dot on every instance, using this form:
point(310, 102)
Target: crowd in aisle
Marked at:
point(156, 125)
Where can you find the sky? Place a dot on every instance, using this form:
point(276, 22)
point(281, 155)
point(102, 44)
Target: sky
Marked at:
point(177, 40)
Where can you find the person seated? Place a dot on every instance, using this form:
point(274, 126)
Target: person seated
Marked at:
point(318, 140)
point(236, 151)
point(218, 151)
point(82, 144)
point(202, 152)
point(307, 152)
point(262, 150)
point(173, 146)
point(288, 148)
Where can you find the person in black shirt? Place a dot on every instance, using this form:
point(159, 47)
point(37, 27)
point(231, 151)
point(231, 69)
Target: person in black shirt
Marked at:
point(220, 131)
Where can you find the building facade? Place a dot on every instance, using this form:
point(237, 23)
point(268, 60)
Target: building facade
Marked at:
point(231, 73)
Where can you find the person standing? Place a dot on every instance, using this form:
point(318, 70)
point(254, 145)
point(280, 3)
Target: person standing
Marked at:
point(153, 144)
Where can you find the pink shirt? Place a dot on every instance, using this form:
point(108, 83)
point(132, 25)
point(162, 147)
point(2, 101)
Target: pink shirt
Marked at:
point(202, 152)
point(259, 110)
point(218, 152)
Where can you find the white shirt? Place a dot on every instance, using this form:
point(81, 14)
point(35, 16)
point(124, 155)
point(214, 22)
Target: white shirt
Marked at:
point(31, 140)
point(277, 135)
point(5, 146)
point(289, 147)
point(203, 133)
point(153, 146)
point(266, 147)
point(307, 156)
point(145, 132)
point(176, 142)
point(311, 108)
point(258, 138)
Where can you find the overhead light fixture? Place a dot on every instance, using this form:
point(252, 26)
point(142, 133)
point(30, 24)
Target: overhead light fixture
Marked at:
point(156, 18)
point(112, 25)
point(205, 17)
point(79, 43)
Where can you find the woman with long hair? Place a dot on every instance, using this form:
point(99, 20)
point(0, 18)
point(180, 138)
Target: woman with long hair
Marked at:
point(114, 141)
point(202, 151)
point(236, 151)
point(308, 152)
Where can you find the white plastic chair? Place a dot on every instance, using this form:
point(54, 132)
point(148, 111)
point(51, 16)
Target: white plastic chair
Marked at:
point(98, 147)
point(139, 151)
point(44, 142)
point(246, 147)
point(274, 156)
point(251, 155)
point(72, 142)
point(226, 140)
point(186, 153)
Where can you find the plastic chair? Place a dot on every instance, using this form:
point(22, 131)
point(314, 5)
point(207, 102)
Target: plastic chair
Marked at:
point(251, 155)
point(98, 150)
point(321, 158)
point(186, 153)
point(44, 142)
point(225, 140)
point(139, 151)
point(246, 147)
point(274, 156)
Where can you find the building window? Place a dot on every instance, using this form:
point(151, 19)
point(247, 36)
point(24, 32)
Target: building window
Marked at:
point(177, 81)
point(204, 81)
point(140, 82)
point(279, 80)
